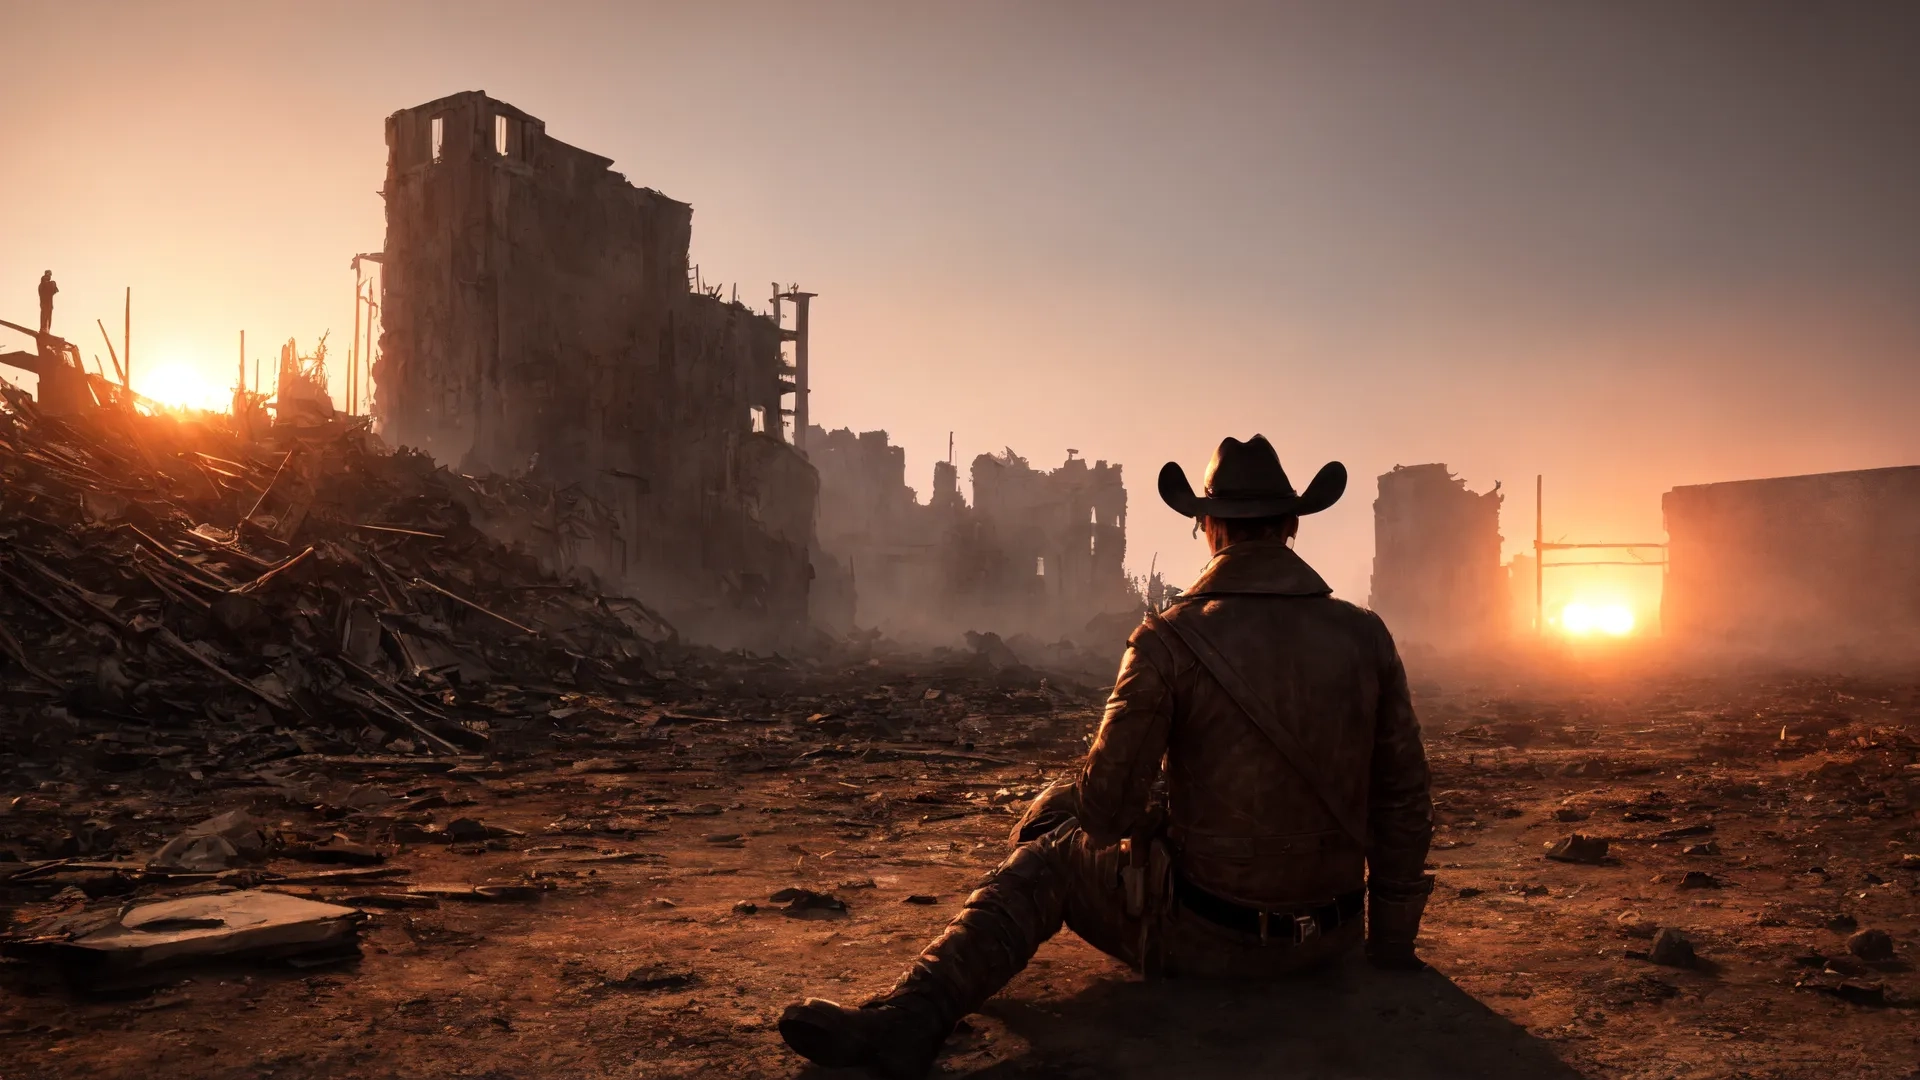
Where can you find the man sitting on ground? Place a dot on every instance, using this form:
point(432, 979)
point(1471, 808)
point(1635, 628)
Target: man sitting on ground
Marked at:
point(1294, 792)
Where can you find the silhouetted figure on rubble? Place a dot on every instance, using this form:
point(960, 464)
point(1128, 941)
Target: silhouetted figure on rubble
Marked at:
point(1294, 794)
point(47, 288)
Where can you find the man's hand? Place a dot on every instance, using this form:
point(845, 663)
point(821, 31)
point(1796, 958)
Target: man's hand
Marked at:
point(1394, 956)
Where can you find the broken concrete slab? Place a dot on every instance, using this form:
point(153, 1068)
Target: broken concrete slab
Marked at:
point(249, 924)
point(231, 839)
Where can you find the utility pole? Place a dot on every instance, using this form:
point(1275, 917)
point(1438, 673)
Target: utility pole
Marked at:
point(1539, 558)
point(353, 343)
point(366, 354)
point(126, 340)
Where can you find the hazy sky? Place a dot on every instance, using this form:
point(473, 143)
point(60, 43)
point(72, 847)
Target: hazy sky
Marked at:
point(1629, 245)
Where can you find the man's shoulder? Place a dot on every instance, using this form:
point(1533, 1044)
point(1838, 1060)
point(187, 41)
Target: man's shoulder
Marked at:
point(1323, 607)
point(1320, 616)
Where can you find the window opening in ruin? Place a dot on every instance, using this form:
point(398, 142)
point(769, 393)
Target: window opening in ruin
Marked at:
point(1040, 566)
point(439, 126)
point(500, 134)
point(757, 416)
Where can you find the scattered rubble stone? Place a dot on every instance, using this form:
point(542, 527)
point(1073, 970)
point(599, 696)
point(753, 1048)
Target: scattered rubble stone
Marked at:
point(1578, 848)
point(1871, 994)
point(1871, 945)
point(1671, 948)
point(653, 977)
point(229, 840)
point(807, 904)
point(1700, 879)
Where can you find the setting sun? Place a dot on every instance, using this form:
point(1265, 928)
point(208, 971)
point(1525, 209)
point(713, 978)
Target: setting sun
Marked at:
point(181, 385)
point(1581, 620)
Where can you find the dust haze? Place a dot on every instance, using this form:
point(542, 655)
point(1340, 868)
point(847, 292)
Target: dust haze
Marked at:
point(725, 500)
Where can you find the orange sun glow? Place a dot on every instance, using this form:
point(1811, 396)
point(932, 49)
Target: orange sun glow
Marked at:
point(1587, 620)
point(182, 386)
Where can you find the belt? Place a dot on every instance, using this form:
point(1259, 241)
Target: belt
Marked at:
point(1291, 925)
point(1245, 848)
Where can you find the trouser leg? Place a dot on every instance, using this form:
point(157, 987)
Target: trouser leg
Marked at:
point(1019, 906)
point(1057, 803)
point(1052, 876)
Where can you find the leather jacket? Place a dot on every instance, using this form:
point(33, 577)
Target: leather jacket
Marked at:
point(1242, 822)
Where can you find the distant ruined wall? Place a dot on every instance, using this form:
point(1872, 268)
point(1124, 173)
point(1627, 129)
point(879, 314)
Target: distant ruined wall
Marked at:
point(1060, 535)
point(1796, 566)
point(1040, 553)
point(1437, 578)
point(537, 321)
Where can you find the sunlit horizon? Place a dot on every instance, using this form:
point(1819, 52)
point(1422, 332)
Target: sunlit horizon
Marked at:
point(1194, 224)
point(1607, 619)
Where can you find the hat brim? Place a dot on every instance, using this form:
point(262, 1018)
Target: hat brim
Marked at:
point(1328, 485)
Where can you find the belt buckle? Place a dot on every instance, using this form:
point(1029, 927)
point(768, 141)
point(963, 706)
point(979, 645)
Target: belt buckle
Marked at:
point(1305, 927)
point(1263, 926)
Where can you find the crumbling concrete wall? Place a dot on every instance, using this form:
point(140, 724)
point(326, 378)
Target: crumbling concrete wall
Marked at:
point(537, 321)
point(1060, 537)
point(1796, 566)
point(1437, 577)
point(1041, 553)
point(890, 550)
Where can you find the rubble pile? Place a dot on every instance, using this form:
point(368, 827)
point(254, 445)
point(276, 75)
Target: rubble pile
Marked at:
point(184, 594)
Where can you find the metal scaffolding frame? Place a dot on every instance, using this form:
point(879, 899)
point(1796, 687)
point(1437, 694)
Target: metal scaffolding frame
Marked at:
point(1541, 547)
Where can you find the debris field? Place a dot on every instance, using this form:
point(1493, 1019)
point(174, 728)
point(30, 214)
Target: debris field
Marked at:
point(641, 898)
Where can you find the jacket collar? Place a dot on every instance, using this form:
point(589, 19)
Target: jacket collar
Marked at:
point(1261, 568)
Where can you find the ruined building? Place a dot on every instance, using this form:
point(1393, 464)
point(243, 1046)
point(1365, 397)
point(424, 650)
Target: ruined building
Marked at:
point(1437, 578)
point(1040, 553)
point(538, 320)
point(1796, 566)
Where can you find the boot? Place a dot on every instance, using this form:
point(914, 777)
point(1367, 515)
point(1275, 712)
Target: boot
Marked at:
point(898, 1034)
point(896, 1037)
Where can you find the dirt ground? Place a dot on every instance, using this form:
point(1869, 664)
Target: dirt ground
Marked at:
point(892, 786)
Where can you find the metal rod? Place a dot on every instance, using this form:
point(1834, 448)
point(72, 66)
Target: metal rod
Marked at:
point(126, 340)
point(353, 344)
point(1568, 547)
point(1605, 562)
point(1539, 550)
point(366, 354)
point(116, 359)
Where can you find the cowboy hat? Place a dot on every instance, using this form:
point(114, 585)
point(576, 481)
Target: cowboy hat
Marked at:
point(1245, 480)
